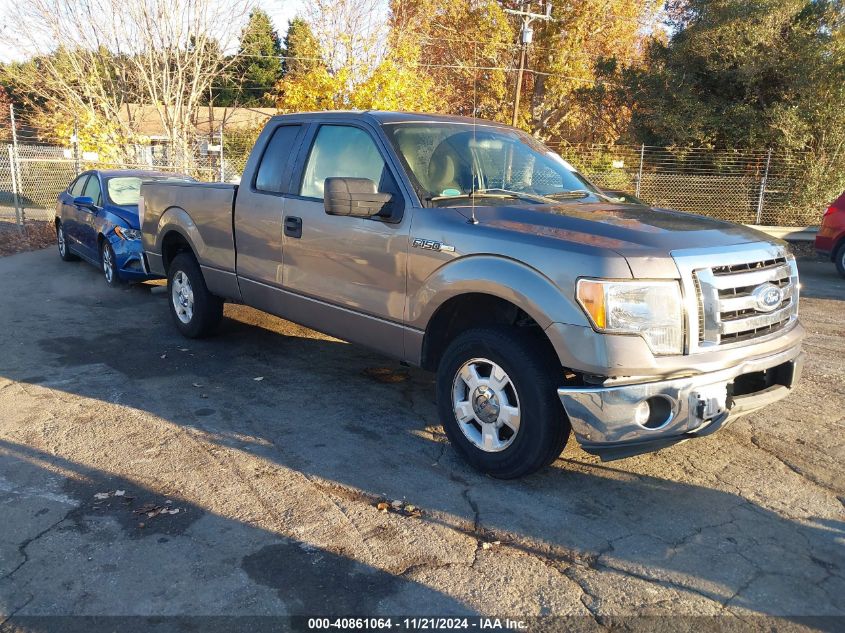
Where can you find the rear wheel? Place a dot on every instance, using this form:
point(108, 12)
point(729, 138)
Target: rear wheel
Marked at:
point(839, 258)
point(196, 311)
point(62, 245)
point(497, 399)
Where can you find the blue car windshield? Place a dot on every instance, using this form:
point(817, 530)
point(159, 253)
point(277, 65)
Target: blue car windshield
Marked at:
point(454, 162)
point(126, 190)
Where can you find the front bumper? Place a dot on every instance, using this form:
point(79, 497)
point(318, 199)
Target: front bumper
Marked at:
point(131, 262)
point(602, 418)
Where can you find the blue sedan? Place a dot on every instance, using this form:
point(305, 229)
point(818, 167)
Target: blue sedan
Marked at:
point(97, 220)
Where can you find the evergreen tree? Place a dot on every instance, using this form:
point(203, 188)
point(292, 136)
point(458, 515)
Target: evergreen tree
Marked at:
point(260, 64)
point(300, 51)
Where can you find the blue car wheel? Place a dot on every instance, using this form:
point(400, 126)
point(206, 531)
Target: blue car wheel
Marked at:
point(109, 264)
point(61, 243)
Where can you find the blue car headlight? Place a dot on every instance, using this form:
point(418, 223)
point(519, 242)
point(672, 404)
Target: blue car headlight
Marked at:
point(127, 234)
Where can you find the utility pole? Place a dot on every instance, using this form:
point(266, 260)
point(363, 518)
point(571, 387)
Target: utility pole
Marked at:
point(526, 36)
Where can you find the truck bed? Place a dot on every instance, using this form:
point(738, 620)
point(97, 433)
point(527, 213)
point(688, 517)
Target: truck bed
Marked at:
point(202, 210)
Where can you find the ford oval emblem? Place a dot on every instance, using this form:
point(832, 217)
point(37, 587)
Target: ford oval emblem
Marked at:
point(767, 297)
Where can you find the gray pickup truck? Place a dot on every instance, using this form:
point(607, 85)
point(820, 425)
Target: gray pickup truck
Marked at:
point(470, 249)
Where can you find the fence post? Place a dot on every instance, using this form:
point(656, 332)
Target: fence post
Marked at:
point(76, 146)
point(763, 188)
point(222, 166)
point(640, 172)
point(13, 171)
point(15, 167)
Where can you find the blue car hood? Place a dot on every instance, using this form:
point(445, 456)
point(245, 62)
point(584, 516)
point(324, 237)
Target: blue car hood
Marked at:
point(128, 213)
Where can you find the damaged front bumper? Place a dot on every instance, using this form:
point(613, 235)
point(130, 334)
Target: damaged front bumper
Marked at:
point(625, 420)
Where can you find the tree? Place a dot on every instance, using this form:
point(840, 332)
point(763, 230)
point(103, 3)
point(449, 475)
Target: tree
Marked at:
point(568, 96)
point(259, 64)
point(300, 51)
point(97, 60)
point(466, 48)
point(744, 74)
point(740, 74)
point(319, 79)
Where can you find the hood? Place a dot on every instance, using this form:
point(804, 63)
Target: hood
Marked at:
point(645, 236)
point(128, 213)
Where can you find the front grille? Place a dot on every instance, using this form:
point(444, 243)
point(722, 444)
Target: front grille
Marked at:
point(746, 266)
point(746, 300)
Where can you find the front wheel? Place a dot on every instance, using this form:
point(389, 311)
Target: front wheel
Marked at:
point(108, 262)
point(497, 398)
point(839, 258)
point(196, 311)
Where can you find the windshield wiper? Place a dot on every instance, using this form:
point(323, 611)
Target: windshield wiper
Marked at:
point(577, 194)
point(494, 193)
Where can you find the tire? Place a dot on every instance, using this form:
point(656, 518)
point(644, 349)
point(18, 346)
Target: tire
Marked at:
point(108, 264)
point(196, 311)
point(62, 245)
point(839, 259)
point(531, 378)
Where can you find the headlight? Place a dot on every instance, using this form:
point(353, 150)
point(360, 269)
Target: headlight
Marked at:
point(651, 309)
point(127, 234)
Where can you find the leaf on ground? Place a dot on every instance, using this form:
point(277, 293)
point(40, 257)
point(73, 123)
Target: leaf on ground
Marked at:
point(385, 374)
point(163, 356)
point(258, 378)
point(102, 495)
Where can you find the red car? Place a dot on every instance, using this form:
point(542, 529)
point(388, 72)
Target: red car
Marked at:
point(830, 240)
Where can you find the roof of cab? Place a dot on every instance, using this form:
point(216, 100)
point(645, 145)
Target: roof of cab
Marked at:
point(382, 117)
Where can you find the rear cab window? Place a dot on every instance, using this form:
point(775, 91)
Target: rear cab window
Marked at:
point(273, 173)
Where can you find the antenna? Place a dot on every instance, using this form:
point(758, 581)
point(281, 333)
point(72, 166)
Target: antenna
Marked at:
point(473, 219)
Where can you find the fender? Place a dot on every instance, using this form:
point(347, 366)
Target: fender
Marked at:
point(219, 273)
point(502, 277)
point(177, 219)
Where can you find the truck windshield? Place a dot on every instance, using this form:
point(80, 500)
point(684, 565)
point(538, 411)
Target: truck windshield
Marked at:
point(455, 163)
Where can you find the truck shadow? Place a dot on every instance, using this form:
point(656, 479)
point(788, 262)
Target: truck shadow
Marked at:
point(369, 428)
point(99, 553)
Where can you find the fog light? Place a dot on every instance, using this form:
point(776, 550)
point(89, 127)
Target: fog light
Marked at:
point(654, 413)
point(642, 413)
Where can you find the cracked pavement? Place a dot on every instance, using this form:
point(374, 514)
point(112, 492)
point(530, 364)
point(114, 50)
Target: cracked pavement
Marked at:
point(276, 481)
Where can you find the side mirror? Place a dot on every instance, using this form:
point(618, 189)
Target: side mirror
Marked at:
point(83, 201)
point(356, 197)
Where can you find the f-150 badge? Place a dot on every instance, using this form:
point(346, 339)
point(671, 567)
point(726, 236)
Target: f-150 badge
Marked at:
point(432, 245)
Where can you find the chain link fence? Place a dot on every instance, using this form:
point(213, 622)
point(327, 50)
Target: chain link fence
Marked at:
point(743, 186)
point(750, 187)
point(32, 176)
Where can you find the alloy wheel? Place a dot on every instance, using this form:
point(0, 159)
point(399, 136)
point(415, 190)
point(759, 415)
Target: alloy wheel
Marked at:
point(108, 264)
point(486, 405)
point(182, 296)
point(60, 239)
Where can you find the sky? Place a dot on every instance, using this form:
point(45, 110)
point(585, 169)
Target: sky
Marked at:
point(280, 11)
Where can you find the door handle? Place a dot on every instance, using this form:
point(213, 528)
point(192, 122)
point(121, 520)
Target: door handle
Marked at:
point(293, 226)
